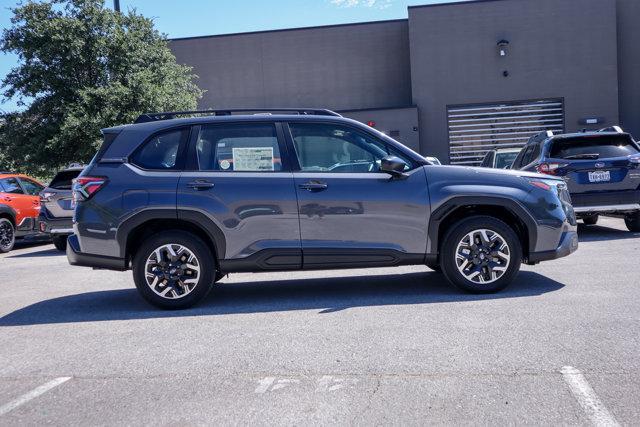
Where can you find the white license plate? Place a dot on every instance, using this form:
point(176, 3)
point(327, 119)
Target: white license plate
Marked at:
point(599, 176)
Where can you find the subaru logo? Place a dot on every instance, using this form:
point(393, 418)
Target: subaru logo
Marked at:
point(599, 165)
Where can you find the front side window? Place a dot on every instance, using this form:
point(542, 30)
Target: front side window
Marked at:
point(241, 147)
point(333, 148)
point(11, 186)
point(32, 188)
point(161, 151)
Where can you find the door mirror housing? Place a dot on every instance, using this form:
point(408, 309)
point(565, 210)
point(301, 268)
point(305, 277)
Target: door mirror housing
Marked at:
point(394, 166)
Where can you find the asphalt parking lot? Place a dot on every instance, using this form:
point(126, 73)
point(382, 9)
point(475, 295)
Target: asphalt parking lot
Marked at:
point(379, 346)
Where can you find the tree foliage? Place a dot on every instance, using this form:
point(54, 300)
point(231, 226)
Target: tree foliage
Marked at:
point(82, 67)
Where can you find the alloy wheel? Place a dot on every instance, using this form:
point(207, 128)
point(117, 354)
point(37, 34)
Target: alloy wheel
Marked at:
point(6, 234)
point(172, 271)
point(483, 256)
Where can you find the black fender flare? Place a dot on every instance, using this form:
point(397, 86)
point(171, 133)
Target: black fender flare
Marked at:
point(8, 211)
point(197, 219)
point(439, 215)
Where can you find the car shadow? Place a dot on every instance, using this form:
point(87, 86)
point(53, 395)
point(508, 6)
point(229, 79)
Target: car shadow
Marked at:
point(596, 233)
point(43, 253)
point(327, 295)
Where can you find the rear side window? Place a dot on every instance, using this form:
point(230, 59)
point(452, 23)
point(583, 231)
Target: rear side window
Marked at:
point(11, 186)
point(63, 180)
point(593, 147)
point(161, 151)
point(32, 188)
point(246, 147)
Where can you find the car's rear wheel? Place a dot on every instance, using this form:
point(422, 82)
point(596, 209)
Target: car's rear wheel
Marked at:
point(481, 254)
point(7, 235)
point(173, 270)
point(633, 222)
point(60, 242)
point(590, 220)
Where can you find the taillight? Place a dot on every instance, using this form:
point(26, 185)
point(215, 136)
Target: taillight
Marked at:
point(550, 168)
point(86, 186)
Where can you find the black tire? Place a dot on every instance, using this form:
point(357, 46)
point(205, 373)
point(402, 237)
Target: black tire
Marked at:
point(7, 235)
point(590, 220)
point(205, 261)
point(633, 222)
point(60, 242)
point(435, 267)
point(455, 236)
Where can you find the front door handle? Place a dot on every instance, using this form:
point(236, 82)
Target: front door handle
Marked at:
point(200, 184)
point(313, 186)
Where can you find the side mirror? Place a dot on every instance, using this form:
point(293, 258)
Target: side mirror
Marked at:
point(394, 166)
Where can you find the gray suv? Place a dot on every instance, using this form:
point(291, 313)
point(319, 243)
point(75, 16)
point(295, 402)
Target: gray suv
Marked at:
point(185, 201)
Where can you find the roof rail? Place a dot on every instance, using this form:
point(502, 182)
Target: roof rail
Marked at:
point(616, 129)
point(540, 136)
point(150, 117)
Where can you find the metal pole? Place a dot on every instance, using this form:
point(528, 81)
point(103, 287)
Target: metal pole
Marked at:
point(116, 5)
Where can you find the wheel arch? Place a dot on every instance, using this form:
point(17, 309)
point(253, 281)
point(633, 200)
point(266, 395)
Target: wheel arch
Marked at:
point(504, 209)
point(8, 213)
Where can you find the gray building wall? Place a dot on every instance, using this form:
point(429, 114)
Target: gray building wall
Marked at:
point(338, 67)
point(558, 49)
point(629, 64)
point(402, 124)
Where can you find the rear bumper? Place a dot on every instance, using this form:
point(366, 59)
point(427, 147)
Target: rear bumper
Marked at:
point(606, 208)
point(568, 245)
point(51, 225)
point(77, 258)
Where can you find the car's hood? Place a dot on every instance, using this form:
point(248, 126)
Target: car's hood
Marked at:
point(505, 172)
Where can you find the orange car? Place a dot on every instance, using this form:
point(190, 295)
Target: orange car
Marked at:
point(19, 207)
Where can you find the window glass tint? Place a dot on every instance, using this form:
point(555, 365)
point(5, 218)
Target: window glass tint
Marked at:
point(505, 160)
point(32, 188)
point(11, 185)
point(160, 152)
point(63, 180)
point(593, 147)
point(527, 157)
point(246, 147)
point(332, 148)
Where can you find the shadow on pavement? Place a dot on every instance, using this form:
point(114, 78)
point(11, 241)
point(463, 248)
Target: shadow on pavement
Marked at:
point(43, 253)
point(326, 295)
point(596, 233)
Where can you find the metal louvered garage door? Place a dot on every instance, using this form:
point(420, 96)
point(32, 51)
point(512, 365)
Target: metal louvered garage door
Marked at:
point(476, 129)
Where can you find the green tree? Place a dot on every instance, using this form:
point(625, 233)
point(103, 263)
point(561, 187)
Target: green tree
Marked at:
point(83, 67)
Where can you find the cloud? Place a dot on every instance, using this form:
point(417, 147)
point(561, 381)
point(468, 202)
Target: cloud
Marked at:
point(377, 4)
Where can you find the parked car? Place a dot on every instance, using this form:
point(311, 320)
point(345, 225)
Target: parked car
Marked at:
point(19, 208)
point(500, 158)
point(56, 203)
point(601, 169)
point(184, 201)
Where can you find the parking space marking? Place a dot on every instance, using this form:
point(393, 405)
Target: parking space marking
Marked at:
point(38, 391)
point(587, 398)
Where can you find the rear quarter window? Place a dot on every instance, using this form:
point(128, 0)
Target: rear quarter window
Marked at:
point(597, 146)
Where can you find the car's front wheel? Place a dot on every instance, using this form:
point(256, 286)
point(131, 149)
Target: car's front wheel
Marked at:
point(173, 270)
point(481, 254)
point(7, 235)
point(633, 222)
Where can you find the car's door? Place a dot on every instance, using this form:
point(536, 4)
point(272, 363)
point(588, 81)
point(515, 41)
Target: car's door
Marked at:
point(351, 213)
point(32, 189)
point(240, 185)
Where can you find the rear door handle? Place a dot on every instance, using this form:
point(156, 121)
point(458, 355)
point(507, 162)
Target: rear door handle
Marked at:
point(313, 186)
point(200, 184)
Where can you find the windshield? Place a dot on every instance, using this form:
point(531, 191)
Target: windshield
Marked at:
point(593, 147)
point(505, 160)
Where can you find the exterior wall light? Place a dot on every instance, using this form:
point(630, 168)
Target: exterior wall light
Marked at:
point(502, 47)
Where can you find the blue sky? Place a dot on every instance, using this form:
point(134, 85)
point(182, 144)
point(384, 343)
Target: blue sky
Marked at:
point(184, 18)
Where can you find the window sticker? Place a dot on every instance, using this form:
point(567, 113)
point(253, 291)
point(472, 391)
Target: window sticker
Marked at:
point(253, 159)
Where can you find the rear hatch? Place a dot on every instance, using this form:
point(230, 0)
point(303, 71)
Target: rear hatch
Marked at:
point(57, 197)
point(601, 169)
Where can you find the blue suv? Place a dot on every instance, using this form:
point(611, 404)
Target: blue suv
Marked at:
point(601, 169)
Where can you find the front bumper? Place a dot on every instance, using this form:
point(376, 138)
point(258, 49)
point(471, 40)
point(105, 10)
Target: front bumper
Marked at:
point(77, 258)
point(568, 245)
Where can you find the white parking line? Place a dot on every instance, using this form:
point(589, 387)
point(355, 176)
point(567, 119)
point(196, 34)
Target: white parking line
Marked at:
point(32, 394)
point(587, 398)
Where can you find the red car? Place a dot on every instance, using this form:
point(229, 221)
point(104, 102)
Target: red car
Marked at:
point(19, 207)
